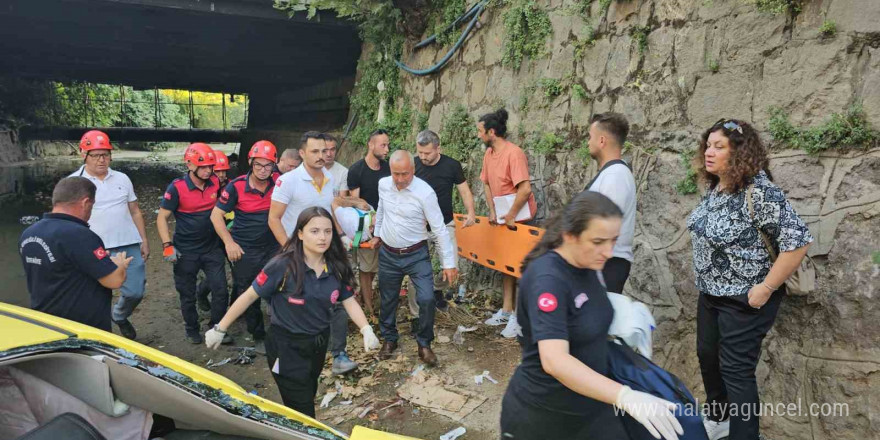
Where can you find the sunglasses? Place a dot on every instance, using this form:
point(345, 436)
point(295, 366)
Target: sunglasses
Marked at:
point(729, 125)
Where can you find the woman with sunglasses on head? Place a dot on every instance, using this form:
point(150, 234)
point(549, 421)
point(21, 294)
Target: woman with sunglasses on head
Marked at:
point(740, 287)
point(560, 390)
point(301, 284)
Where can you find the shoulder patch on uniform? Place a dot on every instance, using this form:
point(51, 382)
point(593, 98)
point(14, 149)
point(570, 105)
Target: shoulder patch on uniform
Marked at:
point(262, 278)
point(334, 296)
point(224, 196)
point(100, 253)
point(547, 302)
point(167, 195)
point(581, 299)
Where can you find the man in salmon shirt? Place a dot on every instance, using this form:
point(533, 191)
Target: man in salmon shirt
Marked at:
point(505, 172)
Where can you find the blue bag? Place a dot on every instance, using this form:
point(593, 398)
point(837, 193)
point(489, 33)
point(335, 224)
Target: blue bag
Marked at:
point(639, 373)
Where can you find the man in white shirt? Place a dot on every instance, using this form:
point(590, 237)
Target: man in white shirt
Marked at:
point(615, 180)
point(310, 184)
point(117, 219)
point(407, 205)
point(305, 186)
point(339, 172)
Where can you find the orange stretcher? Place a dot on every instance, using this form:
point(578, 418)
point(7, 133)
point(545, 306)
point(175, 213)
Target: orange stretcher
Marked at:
point(498, 247)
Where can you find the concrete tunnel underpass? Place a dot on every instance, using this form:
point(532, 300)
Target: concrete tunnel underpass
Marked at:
point(296, 72)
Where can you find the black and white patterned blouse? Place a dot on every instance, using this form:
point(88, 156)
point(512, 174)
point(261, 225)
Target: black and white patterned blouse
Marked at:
point(729, 254)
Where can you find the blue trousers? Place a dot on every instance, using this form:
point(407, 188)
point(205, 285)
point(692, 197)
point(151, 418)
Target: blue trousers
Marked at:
point(132, 291)
point(392, 268)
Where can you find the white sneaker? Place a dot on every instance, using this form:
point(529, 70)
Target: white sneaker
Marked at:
point(499, 318)
point(717, 430)
point(512, 329)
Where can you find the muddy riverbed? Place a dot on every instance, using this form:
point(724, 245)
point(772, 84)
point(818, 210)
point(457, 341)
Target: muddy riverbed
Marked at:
point(378, 395)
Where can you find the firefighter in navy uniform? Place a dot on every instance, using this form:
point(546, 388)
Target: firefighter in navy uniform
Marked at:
point(302, 284)
point(69, 273)
point(221, 167)
point(250, 243)
point(191, 199)
point(560, 390)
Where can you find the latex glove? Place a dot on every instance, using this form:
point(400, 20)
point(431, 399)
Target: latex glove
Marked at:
point(170, 254)
point(371, 342)
point(213, 338)
point(346, 242)
point(654, 413)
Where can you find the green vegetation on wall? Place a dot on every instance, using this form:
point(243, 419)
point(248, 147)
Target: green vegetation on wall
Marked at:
point(687, 185)
point(458, 135)
point(778, 6)
point(527, 26)
point(844, 130)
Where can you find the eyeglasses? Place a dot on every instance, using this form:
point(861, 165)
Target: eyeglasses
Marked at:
point(730, 125)
point(99, 156)
point(259, 166)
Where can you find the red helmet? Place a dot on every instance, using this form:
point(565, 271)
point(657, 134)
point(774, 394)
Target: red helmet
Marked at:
point(95, 140)
point(200, 155)
point(263, 150)
point(222, 161)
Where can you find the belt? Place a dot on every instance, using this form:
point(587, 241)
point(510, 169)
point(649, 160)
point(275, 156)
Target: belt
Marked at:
point(406, 250)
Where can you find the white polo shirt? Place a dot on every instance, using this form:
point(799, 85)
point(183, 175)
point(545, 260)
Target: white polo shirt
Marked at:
point(340, 176)
point(296, 189)
point(111, 218)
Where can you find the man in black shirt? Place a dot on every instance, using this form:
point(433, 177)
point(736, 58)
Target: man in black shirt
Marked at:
point(363, 182)
point(69, 273)
point(442, 173)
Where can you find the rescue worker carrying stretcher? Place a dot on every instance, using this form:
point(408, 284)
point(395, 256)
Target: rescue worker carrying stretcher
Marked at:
point(195, 247)
point(250, 244)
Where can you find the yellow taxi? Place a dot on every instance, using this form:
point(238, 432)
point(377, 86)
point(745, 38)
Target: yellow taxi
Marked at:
point(54, 371)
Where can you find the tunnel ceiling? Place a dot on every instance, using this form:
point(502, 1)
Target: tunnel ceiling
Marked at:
point(226, 45)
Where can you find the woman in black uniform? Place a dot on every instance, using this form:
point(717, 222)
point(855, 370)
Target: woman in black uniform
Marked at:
point(301, 283)
point(560, 391)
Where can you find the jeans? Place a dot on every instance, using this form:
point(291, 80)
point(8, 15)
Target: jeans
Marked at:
point(338, 329)
point(392, 268)
point(729, 336)
point(132, 291)
point(186, 269)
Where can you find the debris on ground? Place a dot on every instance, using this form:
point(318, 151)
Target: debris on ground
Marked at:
point(458, 337)
point(432, 393)
point(454, 434)
point(478, 379)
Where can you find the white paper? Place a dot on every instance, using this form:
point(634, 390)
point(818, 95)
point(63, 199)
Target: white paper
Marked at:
point(503, 205)
point(275, 368)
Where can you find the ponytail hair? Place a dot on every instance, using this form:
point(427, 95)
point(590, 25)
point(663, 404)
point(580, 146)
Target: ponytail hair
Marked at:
point(497, 121)
point(573, 219)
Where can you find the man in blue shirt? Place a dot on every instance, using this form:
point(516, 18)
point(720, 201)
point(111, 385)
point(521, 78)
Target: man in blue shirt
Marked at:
point(69, 272)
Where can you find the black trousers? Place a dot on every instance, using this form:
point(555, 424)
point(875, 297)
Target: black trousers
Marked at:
point(615, 274)
point(243, 273)
point(186, 270)
point(729, 336)
point(522, 421)
point(300, 361)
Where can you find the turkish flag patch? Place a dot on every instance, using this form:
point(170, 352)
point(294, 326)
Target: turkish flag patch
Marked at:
point(296, 301)
point(100, 253)
point(334, 297)
point(261, 278)
point(278, 183)
point(167, 195)
point(547, 302)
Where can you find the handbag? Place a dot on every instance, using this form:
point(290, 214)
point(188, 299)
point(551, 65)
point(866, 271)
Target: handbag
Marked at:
point(803, 281)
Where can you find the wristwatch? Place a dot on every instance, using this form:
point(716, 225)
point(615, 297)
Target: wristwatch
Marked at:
point(217, 329)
